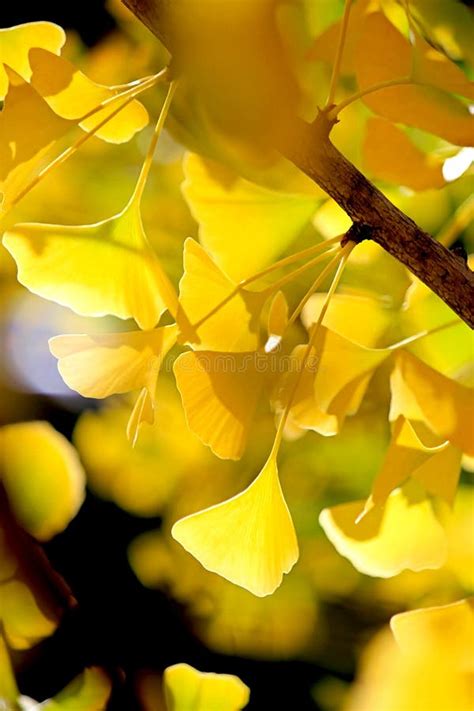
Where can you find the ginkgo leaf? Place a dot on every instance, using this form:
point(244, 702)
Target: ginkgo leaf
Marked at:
point(23, 143)
point(391, 156)
point(361, 319)
point(427, 107)
point(42, 475)
point(107, 364)
point(187, 689)
point(220, 392)
point(8, 688)
point(90, 691)
point(203, 287)
point(403, 535)
point(433, 67)
point(65, 263)
point(248, 539)
point(23, 621)
point(243, 226)
point(437, 468)
point(448, 629)
point(71, 95)
point(16, 42)
point(421, 393)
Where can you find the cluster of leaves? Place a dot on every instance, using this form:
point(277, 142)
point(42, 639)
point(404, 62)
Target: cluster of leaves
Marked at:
point(380, 371)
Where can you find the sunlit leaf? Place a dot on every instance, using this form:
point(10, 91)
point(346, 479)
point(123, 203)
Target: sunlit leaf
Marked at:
point(188, 689)
point(220, 392)
point(422, 393)
point(204, 287)
point(391, 156)
point(405, 534)
point(243, 226)
point(8, 687)
point(42, 475)
point(248, 539)
point(16, 42)
point(430, 108)
point(65, 264)
point(71, 95)
point(23, 142)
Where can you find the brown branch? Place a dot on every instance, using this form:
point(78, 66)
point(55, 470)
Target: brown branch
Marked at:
point(311, 150)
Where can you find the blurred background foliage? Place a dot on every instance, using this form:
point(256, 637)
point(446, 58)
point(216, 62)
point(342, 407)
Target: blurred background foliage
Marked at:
point(113, 590)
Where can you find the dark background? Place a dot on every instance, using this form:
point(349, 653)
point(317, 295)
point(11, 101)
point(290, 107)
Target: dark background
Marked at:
point(118, 624)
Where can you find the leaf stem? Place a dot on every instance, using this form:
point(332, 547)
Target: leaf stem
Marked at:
point(147, 163)
point(336, 69)
point(342, 257)
point(334, 112)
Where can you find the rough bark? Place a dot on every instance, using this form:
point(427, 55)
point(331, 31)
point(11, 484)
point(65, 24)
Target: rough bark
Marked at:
point(311, 150)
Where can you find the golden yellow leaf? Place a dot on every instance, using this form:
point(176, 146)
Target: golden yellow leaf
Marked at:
point(248, 539)
point(202, 288)
point(188, 689)
point(71, 95)
point(15, 45)
point(403, 535)
point(448, 629)
point(89, 691)
point(429, 107)
point(243, 226)
point(65, 263)
point(391, 156)
point(421, 393)
point(42, 475)
point(220, 392)
point(23, 142)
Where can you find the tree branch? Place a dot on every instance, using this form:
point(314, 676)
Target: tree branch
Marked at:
point(311, 150)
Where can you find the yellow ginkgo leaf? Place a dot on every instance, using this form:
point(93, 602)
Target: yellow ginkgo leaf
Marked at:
point(436, 467)
point(23, 143)
point(427, 107)
point(433, 67)
point(90, 691)
point(403, 535)
point(361, 319)
point(107, 364)
point(42, 475)
point(71, 95)
point(391, 156)
point(248, 539)
point(187, 689)
point(448, 629)
point(65, 263)
point(421, 393)
point(220, 392)
point(16, 42)
point(8, 688)
point(245, 227)
point(23, 621)
point(203, 287)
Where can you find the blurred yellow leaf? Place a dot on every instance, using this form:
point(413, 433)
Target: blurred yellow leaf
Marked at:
point(448, 629)
point(65, 264)
point(42, 476)
point(23, 621)
point(243, 226)
point(71, 95)
point(405, 534)
point(187, 689)
point(248, 539)
point(88, 692)
point(8, 688)
point(391, 156)
point(429, 107)
point(15, 45)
